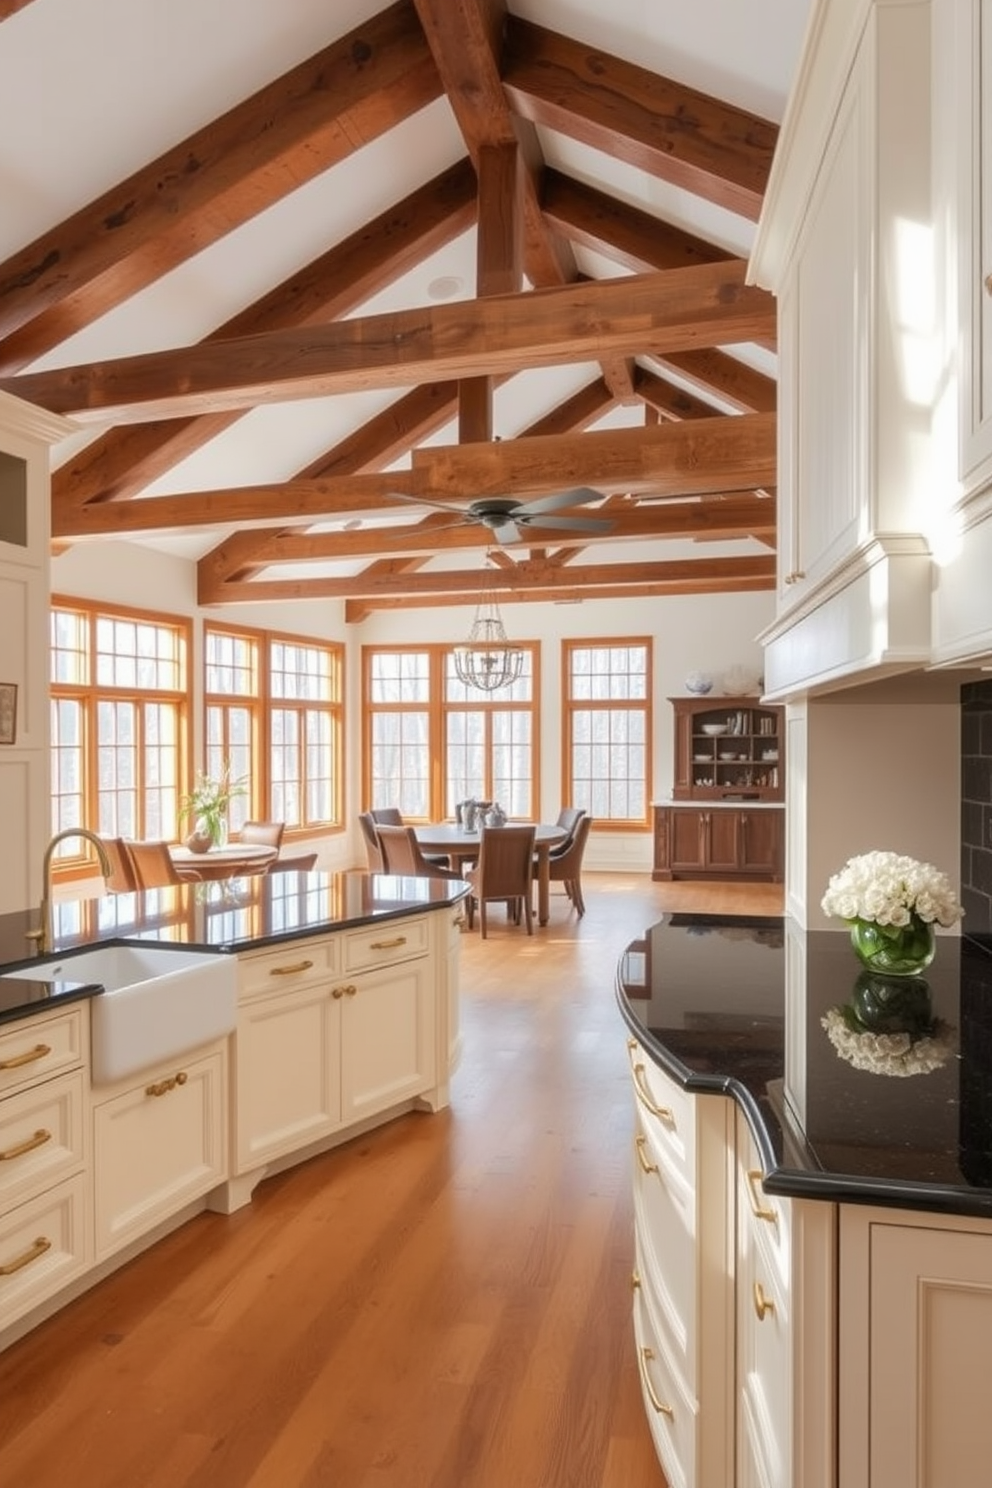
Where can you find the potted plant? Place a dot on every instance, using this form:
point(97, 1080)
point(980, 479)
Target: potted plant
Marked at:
point(207, 804)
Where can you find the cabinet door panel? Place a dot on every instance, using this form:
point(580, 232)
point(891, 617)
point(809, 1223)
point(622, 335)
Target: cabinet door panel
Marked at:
point(288, 1074)
point(722, 840)
point(687, 847)
point(387, 1038)
point(761, 842)
point(157, 1147)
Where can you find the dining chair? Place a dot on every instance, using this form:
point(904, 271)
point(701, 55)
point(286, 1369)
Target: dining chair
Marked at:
point(387, 816)
point(122, 878)
point(401, 854)
point(300, 863)
point(565, 864)
point(262, 833)
point(370, 836)
point(503, 872)
point(153, 866)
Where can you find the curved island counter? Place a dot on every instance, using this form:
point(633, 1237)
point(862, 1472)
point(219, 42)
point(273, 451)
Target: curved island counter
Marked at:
point(813, 1275)
point(333, 1007)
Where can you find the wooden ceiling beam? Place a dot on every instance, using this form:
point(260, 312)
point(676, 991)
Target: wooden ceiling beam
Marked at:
point(125, 461)
point(465, 39)
point(697, 457)
point(624, 234)
point(524, 582)
point(713, 372)
point(290, 131)
point(562, 593)
point(676, 133)
point(651, 313)
point(712, 519)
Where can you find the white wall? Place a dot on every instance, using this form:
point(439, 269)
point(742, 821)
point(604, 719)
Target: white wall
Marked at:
point(689, 632)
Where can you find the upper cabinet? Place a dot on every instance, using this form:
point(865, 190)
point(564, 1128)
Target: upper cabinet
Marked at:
point(25, 781)
point(845, 243)
point(962, 525)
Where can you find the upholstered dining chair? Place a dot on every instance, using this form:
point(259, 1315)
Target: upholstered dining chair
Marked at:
point(262, 833)
point(370, 836)
point(122, 878)
point(387, 816)
point(565, 863)
point(503, 872)
point(401, 854)
point(153, 866)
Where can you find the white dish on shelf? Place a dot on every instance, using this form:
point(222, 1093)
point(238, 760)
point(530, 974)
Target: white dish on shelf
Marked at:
point(714, 729)
point(702, 759)
point(770, 756)
point(728, 754)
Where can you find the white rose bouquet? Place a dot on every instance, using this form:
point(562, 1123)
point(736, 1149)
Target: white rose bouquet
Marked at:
point(885, 888)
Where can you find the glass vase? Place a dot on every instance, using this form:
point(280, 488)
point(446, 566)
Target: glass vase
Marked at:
point(886, 1004)
point(894, 950)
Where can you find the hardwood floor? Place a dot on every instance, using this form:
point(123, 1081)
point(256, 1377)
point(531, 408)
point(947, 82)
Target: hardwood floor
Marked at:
point(443, 1303)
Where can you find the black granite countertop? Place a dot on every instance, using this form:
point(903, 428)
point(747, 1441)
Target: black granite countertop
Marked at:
point(229, 916)
point(735, 1006)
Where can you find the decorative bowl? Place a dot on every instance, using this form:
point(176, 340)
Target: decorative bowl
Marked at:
point(698, 683)
point(729, 754)
point(714, 729)
point(740, 680)
point(702, 759)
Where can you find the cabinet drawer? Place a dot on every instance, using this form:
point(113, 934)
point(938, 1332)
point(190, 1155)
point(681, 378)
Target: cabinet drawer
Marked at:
point(764, 1369)
point(42, 1247)
point(666, 1110)
point(380, 945)
point(40, 1047)
point(672, 1417)
point(295, 964)
point(41, 1137)
point(767, 1216)
point(666, 1230)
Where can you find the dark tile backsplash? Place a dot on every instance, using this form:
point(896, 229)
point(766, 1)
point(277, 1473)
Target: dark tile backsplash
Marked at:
point(976, 808)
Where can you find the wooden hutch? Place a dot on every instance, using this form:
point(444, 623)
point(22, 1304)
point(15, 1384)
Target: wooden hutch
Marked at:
point(726, 818)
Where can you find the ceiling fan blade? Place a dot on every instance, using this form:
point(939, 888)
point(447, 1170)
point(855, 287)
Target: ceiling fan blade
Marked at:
point(567, 524)
point(558, 499)
point(423, 501)
point(507, 532)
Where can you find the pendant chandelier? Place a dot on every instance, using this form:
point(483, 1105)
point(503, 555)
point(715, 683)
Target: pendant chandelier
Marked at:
point(486, 660)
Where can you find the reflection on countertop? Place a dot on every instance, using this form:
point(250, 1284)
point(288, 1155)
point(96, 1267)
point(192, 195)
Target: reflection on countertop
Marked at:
point(232, 914)
point(748, 1007)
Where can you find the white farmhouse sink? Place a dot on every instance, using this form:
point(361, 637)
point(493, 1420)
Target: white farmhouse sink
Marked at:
point(157, 1003)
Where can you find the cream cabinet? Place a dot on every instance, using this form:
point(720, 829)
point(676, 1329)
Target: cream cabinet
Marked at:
point(44, 1159)
point(915, 1349)
point(335, 1031)
point(683, 1278)
point(159, 1143)
point(845, 223)
point(731, 1285)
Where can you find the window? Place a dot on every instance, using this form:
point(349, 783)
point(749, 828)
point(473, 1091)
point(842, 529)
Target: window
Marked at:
point(305, 731)
point(118, 722)
point(608, 729)
point(432, 742)
point(233, 708)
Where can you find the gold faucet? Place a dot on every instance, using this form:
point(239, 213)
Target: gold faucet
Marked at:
point(43, 935)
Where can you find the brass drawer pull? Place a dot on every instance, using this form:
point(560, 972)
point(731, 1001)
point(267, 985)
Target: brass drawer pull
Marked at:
point(388, 945)
point(293, 970)
point(635, 1280)
point(644, 1358)
point(38, 1052)
point(347, 991)
point(664, 1113)
point(640, 1141)
point(162, 1087)
point(762, 1304)
point(34, 1254)
point(758, 1209)
point(39, 1139)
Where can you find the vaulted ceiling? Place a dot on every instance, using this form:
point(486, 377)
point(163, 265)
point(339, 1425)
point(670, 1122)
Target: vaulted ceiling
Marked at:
point(517, 267)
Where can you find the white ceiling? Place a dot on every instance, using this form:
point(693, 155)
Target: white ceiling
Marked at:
point(91, 90)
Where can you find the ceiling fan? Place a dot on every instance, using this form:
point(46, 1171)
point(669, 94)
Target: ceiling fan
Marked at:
point(508, 520)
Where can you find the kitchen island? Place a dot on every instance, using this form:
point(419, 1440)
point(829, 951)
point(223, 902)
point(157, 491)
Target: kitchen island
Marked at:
point(813, 1272)
point(343, 1014)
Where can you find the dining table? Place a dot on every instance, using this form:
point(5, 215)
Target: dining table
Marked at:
point(228, 861)
point(448, 839)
